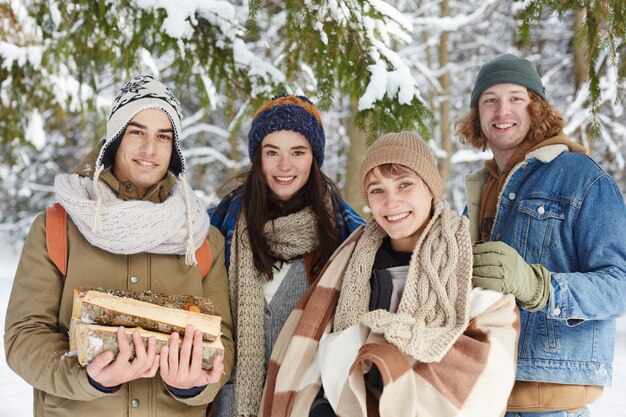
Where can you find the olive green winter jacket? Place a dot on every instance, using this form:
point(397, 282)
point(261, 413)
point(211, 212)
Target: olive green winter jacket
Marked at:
point(39, 310)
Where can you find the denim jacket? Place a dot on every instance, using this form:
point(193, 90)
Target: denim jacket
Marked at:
point(561, 210)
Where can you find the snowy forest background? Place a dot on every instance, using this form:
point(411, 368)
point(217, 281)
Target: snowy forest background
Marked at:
point(372, 66)
point(378, 65)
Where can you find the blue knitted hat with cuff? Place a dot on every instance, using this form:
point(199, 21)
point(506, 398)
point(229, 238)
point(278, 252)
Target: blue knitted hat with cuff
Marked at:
point(293, 113)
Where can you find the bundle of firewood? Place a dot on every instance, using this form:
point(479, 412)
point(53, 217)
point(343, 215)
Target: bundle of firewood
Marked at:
point(97, 314)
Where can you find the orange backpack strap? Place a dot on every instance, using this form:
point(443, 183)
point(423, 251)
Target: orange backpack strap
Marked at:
point(56, 236)
point(56, 242)
point(203, 256)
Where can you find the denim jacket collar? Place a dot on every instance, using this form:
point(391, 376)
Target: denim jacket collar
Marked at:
point(474, 183)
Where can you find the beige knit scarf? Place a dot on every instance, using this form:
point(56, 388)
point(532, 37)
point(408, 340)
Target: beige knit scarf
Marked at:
point(288, 237)
point(177, 226)
point(434, 307)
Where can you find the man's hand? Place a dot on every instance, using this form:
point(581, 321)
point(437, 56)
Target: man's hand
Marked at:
point(499, 267)
point(109, 373)
point(183, 370)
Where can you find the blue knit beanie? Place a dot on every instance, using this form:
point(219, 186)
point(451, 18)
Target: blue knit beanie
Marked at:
point(507, 69)
point(294, 113)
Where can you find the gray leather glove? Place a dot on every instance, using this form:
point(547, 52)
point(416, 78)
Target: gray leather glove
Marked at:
point(499, 267)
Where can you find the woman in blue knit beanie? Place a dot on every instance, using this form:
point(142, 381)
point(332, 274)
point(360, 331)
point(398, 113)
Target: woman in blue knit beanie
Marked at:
point(281, 226)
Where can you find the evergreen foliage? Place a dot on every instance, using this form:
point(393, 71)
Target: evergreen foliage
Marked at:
point(364, 61)
point(604, 30)
point(102, 43)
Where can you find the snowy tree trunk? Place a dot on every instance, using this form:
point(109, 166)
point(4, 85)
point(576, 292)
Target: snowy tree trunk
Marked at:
point(580, 60)
point(581, 72)
point(352, 189)
point(445, 165)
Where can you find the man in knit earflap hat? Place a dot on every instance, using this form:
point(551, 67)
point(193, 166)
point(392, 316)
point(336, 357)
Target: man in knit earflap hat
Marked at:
point(141, 93)
point(133, 223)
point(553, 222)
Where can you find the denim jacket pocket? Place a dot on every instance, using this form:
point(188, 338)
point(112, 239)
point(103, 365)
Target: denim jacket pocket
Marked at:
point(539, 220)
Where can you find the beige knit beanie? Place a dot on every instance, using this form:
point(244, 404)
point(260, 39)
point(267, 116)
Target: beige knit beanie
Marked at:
point(404, 148)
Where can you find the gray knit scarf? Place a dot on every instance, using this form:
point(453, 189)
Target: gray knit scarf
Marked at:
point(288, 237)
point(434, 307)
point(177, 226)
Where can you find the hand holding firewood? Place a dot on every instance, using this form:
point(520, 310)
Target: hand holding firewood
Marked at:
point(182, 368)
point(153, 321)
point(110, 371)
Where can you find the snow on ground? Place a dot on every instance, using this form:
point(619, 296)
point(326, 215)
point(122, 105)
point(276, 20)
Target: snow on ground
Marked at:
point(16, 395)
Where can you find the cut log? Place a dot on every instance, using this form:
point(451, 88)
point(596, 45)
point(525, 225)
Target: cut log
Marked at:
point(181, 302)
point(106, 309)
point(91, 340)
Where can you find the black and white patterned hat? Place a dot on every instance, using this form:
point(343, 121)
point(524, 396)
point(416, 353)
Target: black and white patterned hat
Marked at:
point(141, 93)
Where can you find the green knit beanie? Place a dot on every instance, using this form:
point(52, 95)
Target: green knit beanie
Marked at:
point(507, 69)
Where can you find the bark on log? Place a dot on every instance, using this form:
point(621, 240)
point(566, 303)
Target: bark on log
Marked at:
point(91, 340)
point(180, 302)
point(106, 309)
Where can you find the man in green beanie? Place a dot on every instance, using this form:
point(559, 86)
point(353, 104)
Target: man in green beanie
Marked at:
point(549, 225)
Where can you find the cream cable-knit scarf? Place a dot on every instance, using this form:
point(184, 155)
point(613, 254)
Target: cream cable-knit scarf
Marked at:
point(434, 307)
point(288, 237)
point(135, 226)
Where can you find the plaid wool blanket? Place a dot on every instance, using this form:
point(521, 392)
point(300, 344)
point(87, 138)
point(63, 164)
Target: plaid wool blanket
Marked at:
point(474, 378)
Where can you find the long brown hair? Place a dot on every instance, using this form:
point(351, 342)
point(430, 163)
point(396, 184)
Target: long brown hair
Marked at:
point(260, 206)
point(544, 123)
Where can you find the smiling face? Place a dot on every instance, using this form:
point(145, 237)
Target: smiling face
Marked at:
point(504, 119)
point(145, 150)
point(401, 204)
point(286, 159)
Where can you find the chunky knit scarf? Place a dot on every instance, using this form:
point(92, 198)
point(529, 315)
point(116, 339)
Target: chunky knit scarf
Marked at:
point(177, 226)
point(479, 365)
point(434, 308)
point(288, 237)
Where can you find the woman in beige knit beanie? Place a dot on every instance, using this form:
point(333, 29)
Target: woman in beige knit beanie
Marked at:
point(399, 337)
point(407, 149)
point(400, 182)
point(417, 250)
